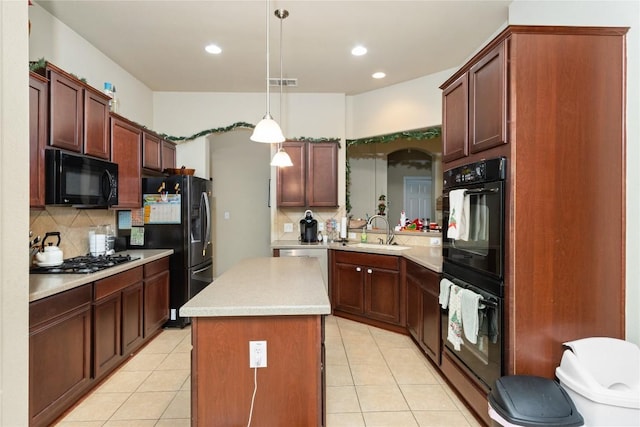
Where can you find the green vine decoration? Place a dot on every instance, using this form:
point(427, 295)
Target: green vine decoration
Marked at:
point(37, 65)
point(421, 134)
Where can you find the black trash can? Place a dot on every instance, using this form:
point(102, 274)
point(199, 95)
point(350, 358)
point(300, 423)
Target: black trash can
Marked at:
point(525, 400)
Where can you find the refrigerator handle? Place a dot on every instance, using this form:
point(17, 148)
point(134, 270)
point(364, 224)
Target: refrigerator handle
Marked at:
point(207, 216)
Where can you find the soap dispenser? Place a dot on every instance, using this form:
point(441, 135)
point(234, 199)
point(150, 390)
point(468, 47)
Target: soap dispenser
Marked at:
point(363, 236)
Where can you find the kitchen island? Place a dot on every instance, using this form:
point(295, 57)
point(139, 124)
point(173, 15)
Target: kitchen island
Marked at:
point(278, 300)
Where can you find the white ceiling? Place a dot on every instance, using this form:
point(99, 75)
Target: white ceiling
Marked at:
point(161, 42)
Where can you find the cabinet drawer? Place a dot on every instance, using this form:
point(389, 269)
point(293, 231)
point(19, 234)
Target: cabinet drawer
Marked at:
point(110, 285)
point(156, 267)
point(388, 262)
point(48, 308)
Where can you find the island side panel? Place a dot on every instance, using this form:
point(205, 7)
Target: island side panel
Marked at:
point(289, 389)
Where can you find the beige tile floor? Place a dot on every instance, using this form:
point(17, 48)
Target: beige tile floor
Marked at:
point(374, 378)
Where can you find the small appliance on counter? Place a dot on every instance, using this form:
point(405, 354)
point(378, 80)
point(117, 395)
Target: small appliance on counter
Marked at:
point(308, 228)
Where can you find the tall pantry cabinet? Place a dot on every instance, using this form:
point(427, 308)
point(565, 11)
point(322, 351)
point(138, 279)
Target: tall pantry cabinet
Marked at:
point(552, 101)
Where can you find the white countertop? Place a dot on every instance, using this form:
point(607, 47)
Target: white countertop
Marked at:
point(263, 287)
point(44, 285)
point(426, 256)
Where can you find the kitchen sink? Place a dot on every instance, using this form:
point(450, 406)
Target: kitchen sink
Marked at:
point(379, 246)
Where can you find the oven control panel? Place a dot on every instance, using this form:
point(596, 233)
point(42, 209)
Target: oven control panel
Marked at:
point(478, 172)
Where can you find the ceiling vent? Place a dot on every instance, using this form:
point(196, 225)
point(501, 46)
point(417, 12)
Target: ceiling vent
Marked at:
point(284, 82)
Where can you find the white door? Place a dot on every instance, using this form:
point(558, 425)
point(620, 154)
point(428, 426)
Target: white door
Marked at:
point(417, 197)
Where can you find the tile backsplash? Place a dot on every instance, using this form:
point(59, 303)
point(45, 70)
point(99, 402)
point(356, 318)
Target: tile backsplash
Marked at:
point(73, 225)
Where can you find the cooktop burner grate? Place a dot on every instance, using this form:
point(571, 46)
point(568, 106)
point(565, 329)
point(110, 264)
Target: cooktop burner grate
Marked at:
point(84, 264)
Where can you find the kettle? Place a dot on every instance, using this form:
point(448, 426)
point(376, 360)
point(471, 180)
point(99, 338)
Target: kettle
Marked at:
point(50, 255)
point(308, 228)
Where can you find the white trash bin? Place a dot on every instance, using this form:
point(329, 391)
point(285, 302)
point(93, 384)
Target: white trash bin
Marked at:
point(602, 376)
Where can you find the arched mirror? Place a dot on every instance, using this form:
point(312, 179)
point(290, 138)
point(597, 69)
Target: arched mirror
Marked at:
point(405, 170)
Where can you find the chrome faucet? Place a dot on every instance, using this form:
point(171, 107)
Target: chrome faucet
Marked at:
point(390, 234)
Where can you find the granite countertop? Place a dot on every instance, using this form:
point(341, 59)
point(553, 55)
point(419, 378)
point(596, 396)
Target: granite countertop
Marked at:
point(426, 256)
point(263, 287)
point(45, 285)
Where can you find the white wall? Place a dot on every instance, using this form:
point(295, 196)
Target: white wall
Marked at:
point(621, 14)
point(58, 44)
point(411, 105)
point(14, 214)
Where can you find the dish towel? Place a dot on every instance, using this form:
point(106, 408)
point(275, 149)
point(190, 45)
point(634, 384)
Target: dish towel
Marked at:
point(454, 327)
point(469, 305)
point(445, 288)
point(458, 224)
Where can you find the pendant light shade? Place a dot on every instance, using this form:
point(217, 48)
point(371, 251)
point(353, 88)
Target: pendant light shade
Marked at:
point(267, 130)
point(281, 159)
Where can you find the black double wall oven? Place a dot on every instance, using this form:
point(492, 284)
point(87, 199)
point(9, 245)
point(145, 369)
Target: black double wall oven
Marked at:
point(476, 262)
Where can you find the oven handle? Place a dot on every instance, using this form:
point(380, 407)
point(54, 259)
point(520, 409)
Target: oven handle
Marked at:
point(477, 191)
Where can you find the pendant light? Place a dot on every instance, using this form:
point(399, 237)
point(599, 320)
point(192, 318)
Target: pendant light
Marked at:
point(281, 158)
point(267, 130)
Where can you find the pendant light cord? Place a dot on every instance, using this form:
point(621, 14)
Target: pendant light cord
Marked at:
point(267, 101)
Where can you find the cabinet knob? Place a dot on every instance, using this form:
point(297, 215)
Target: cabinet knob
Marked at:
point(358, 269)
point(369, 270)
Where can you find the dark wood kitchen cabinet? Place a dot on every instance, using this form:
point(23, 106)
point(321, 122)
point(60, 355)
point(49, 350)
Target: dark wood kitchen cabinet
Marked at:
point(168, 155)
point(38, 107)
point(565, 154)
point(368, 287)
point(151, 151)
point(156, 295)
point(423, 309)
point(59, 353)
point(312, 181)
point(78, 115)
point(474, 107)
point(118, 317)
point(126, 151)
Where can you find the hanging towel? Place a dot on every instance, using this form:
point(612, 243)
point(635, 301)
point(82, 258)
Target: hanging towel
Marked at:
point(454, 327)
point(445, 288)
point(458, 224)
point(469, 305)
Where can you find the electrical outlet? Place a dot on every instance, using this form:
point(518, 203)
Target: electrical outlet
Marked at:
point(173, 314)
point(321, 226)
point(257, 354)
point(288, 227)
point(435, 241)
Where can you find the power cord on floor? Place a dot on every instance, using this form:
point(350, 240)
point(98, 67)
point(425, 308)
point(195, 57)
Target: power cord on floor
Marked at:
point(255, 389)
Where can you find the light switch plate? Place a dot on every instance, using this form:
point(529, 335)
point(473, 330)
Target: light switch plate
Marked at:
point(288, 227)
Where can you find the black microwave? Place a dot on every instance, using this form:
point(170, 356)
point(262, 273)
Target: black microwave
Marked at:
point(80, 181)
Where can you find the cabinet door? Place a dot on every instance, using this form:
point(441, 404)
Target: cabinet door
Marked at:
point(382, 292)
point(488, 101)
point(348, 288)
point(414, 306)
point(322, 174)
point(65, 112)
point(126, 140)
point(291, 184)
point(151, 152)
point(156, 302)
point(107, 348)
point(131, 318)
point(96, 125)
point(38, 104)
point(455, 111)
point(431, 318)
point(168, 155)
point(59, 353)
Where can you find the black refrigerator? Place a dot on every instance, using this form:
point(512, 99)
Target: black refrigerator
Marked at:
point(178, 215)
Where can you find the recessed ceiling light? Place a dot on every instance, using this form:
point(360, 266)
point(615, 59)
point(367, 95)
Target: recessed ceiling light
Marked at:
point(379, 75)
point(359, 51)
point(213, 49)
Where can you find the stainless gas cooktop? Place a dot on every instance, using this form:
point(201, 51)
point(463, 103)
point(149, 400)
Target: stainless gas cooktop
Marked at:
point(84, 264)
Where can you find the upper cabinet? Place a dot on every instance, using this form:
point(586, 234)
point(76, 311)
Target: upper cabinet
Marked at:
point(168, 155)
point(126, 151)
point(37, 138)
point(157, 153)
point(312, 181)
point(474, 107)
point(78, 115)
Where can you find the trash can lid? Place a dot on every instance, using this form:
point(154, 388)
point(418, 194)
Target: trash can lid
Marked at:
point(533, 401)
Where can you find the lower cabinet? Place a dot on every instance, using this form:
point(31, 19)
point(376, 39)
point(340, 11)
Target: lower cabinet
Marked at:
point(117, 325)
point(59, 353)
point(423, 308)
point(368, 287)
point(156, 295)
